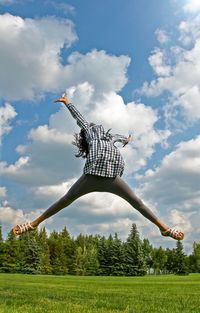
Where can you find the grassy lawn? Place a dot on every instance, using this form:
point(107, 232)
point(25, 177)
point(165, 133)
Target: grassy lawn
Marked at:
point(149, 294)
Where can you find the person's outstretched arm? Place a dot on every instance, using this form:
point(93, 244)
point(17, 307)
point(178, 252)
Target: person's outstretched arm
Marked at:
point(81, 121)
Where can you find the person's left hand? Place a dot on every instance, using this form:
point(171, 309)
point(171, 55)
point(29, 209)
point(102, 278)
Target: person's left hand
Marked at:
point(127, 140)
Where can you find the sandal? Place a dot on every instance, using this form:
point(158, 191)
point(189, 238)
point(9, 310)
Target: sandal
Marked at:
point(22, 228)
point(173, 233)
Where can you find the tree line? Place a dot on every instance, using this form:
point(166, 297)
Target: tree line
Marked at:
point(37, 253)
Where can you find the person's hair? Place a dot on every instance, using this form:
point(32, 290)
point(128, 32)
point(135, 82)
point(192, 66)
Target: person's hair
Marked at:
point(81, 143)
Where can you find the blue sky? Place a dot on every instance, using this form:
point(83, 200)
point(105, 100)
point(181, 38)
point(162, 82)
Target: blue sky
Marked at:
point(132, 66)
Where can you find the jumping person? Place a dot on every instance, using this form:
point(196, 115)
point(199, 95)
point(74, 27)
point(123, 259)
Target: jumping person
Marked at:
point(102, 172)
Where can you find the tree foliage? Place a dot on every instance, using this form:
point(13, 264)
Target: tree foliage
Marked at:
point(36, 252)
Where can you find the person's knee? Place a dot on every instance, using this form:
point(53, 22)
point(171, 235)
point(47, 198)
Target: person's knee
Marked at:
point(67, 199)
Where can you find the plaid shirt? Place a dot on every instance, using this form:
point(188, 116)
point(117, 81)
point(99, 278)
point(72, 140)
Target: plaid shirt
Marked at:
point(104, 158)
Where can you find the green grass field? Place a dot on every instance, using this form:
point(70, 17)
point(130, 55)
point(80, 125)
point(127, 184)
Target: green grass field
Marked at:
point(149, 294)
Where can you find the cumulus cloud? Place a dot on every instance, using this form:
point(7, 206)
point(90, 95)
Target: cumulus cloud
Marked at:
point(7, 2)
point(192, 6)
point(10, 216)
point(92, 213)
point(7, 113)
point(3, 192)
point(182, 80)
point(157, 62)
point(34, 66)
point(174, 187)
point(45, 159)
point(46, 164)
point(49, 156)
point(189, 30)
point(61, 6)
point(162, 36)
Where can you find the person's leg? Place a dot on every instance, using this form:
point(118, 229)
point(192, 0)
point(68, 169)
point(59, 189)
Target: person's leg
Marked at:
point(119, 187)
point(85, 184)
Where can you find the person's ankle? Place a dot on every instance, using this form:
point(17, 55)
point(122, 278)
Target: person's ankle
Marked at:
point(34, 224)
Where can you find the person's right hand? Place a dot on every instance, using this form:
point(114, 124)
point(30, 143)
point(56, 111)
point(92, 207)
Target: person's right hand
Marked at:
point(63, 99)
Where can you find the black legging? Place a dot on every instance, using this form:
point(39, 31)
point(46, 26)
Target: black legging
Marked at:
point(92, 183)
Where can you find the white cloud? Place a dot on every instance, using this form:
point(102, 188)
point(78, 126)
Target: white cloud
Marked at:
point(7, 2)
point(53, 191)
point(135, 118)
point(182, 84)
point(192, 6)
point(3, 192)
point(162, 36)
point(189, 30)
point(7, 113)
point(95, 212)
point(44, 134)
point(157, 62)
point(36, 64)
point(61, 6)
point(174, 187)
point(49, 156)
point(104, 72)
point(11, 216)
point(31, 53)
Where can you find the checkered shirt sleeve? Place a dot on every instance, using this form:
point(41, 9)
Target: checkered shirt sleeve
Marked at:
point(81, 121)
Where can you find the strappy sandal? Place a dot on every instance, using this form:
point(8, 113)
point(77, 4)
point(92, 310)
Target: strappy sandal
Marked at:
point(22, 228)
point(173, 233)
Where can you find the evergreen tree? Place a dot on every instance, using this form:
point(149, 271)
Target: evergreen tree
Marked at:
point(117, 257)
point(86, 262)
point(171, 261)
point(147, 249)
point(69, 248)
point(103, 256)
point(181, 265)
point(135, 261)
point(195, 258)
point(58, 258)
point(32, 253)
point(159, 260)
point(93, 264)
point(11, 263)
point(45, 253)
point(2, 251)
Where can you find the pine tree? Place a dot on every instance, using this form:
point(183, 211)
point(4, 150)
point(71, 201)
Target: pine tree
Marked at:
point(11, 263)
point(135, 262)
point(57, 256)
point(45, 253)
point(181, 266)
point(2, 251)
point(117, 257)
point(86, 261)
point(92, 264)
point(147, 249)
point(159, 260)
point(31, 253)
point(102, 255)
point(69, 249)
point(171, 261)
point(195, 258)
